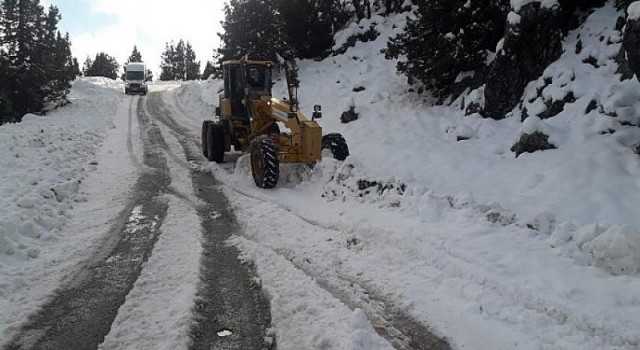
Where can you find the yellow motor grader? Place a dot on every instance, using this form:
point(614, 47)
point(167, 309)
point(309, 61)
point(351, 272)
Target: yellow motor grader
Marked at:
point(248, 120)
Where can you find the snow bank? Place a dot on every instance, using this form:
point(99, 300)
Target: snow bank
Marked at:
point(617, 250)
point(198, 93)
point(45, 160)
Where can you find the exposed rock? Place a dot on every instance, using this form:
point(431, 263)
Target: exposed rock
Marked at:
point(349, 115)
point(525, 114)
point(623, 65)
point(519, 61)
point(578, 47)
point(592, 105)
point(530, 143)
point(473, 107)
point(591, 60)
point(631, 45)
point(620, 22)
point(556, 106)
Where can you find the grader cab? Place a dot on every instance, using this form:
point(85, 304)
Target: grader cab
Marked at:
point(249, 118)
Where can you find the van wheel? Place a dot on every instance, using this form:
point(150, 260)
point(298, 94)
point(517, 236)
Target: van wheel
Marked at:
point(265, 166)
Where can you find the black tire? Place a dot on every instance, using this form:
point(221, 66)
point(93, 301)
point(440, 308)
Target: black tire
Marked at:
point(205, 126)
point(265, 165)
point(215, 143)
point(337, 144)
point(126, 91)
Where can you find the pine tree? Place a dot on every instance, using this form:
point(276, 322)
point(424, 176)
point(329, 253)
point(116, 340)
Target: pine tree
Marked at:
point(210, 69)
point(24, 27)
point(135, 56)
point(252, 28)
point(192, 67)
point(362, 8)
point(37, 65)
point(56, 59)
point(448, 37)
point(166, 66)
point(29, 77)
point(309, 26)
point(179, 62)
point(103, 66)
point(5, 100)
point(87, 66)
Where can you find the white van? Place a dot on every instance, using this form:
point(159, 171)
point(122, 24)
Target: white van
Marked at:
point(135, 79)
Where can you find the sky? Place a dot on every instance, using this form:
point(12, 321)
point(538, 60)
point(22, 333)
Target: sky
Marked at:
point(115, 26)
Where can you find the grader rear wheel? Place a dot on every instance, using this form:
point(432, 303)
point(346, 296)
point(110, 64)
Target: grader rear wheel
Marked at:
point(265, 166)
point(205, 127)
point(215, 143)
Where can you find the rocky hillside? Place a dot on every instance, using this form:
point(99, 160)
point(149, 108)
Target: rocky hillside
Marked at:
point(553, 56)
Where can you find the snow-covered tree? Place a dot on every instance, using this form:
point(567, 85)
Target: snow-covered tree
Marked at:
point(447, 38)
point(36, 62)
point(309, 25)
point(179, 62)
point(253, 28)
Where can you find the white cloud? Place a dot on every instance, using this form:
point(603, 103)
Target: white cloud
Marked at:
point(150, 24)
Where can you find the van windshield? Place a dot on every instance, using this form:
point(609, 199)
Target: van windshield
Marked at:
point(135, 75)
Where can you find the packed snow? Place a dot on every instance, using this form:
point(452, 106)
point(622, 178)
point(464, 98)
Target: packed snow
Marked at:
point(431, 215)
point(633, 11)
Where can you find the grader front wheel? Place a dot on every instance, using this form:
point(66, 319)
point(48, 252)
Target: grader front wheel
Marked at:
point(265, 166)
point(205, 128)
point(337, 144)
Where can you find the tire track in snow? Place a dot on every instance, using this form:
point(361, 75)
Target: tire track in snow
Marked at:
point(161, 114)
point(80, 315)
point(228, 297)
point(455, 266)
point(132, 156)
point(390, 322)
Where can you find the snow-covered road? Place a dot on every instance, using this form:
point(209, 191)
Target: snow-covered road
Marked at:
point(155, 266)
point(161, 275)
